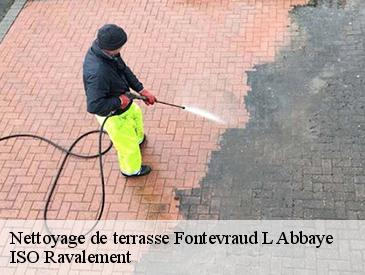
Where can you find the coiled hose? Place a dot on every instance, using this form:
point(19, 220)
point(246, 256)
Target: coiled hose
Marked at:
point(68, 152)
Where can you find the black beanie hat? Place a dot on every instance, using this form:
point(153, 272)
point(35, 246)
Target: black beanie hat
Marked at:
point(111, 37)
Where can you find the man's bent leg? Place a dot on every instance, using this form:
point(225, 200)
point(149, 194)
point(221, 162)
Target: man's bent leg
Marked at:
point(121, 131)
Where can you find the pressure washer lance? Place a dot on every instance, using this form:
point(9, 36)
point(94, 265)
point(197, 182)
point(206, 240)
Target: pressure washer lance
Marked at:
point(137, 96)
point(68, 152)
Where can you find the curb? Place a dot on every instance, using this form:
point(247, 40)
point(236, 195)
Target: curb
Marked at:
point(10, 17)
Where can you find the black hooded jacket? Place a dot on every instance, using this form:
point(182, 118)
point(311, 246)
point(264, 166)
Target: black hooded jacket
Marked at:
point(105, 79)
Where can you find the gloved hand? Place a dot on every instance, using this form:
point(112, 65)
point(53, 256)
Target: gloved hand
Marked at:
point(125, 100)
point(150, 98)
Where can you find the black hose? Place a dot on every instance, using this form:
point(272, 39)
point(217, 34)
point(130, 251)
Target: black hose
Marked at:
point(70, 153)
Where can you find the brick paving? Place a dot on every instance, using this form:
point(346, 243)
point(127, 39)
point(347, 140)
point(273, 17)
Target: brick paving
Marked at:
point(188, 52)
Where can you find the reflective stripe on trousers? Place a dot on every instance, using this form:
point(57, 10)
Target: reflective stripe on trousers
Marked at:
point(126, 132)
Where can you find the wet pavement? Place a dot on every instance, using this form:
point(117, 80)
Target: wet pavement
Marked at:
point(301, 155)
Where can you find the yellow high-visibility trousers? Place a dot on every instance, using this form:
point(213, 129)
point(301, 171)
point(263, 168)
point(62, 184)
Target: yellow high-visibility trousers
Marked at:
point(126, 132)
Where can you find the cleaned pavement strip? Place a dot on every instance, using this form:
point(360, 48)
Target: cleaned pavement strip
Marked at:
point(10, 16)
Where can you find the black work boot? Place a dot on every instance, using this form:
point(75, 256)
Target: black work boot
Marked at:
point(145, 170)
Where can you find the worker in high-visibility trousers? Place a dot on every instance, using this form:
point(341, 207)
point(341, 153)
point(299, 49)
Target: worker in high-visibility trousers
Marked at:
point(107, 81)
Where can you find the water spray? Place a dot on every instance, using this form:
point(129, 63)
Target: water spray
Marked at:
point(193, 110)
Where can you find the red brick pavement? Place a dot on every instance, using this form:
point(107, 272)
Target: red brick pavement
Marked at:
point(188, 52)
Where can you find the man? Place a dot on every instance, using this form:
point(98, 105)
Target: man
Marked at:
point(107, 79)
